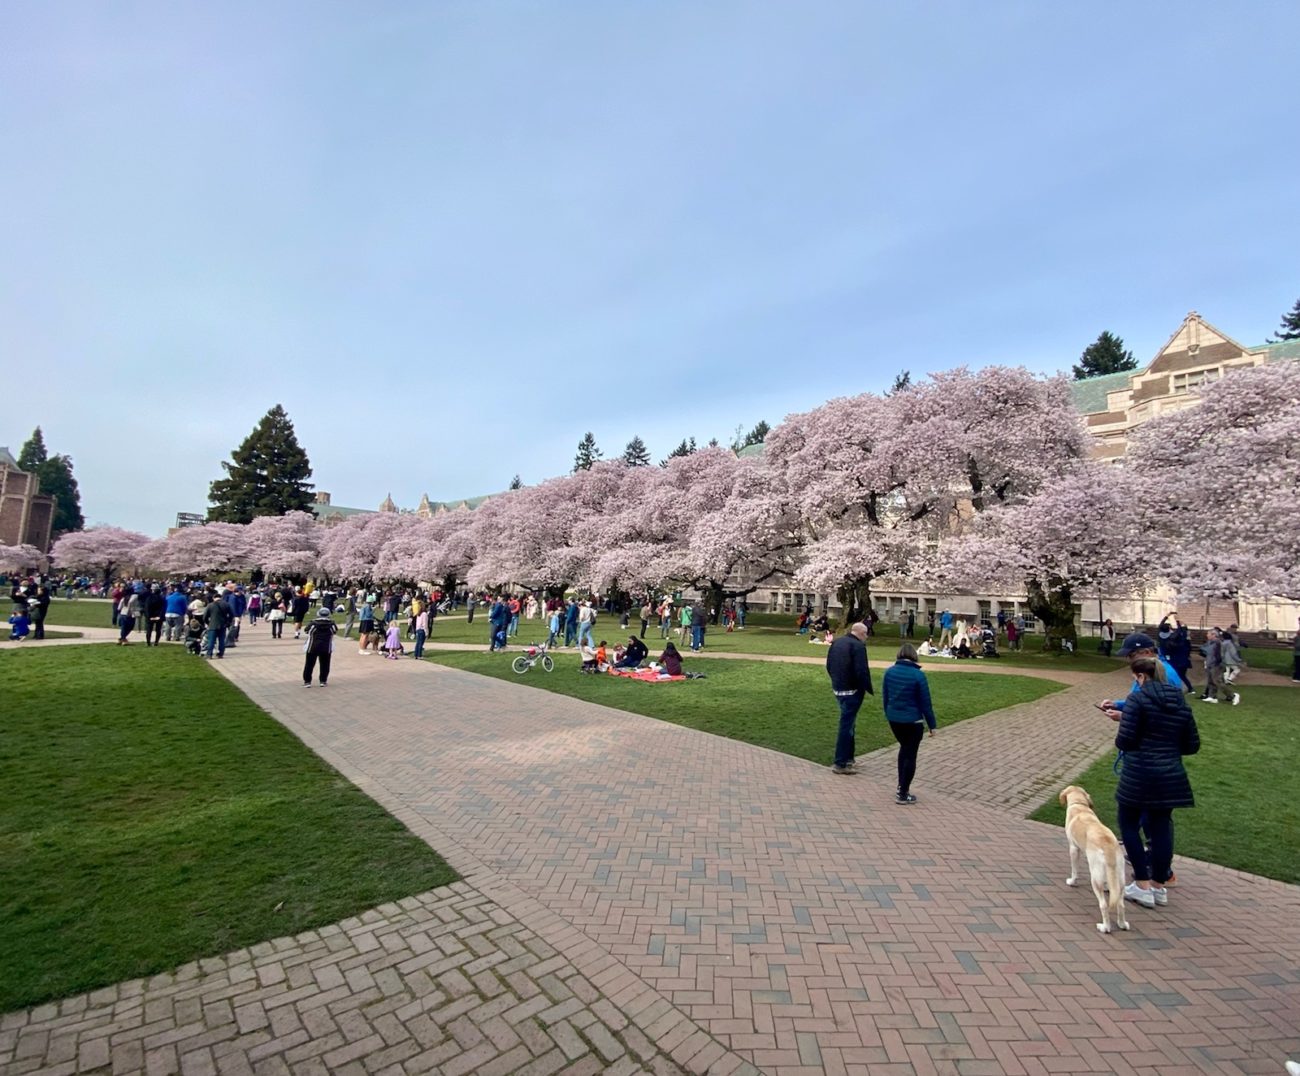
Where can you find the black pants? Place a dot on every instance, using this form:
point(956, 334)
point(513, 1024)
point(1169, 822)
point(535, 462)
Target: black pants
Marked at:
point(277, 629)
point(1158, 824)
point(310, 664)
point(153, 632)
point(38, 627)
point(909, 740)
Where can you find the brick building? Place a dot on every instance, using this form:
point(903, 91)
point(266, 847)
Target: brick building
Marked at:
point(26, 514)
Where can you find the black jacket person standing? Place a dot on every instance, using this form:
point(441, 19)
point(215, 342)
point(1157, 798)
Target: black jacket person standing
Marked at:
point(846, 665)
point(319, 647)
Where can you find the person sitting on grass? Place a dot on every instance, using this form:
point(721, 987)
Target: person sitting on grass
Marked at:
point(19, 624)
point(670, 661)
point(590, 662)
point(635, 653)
point(602, 656)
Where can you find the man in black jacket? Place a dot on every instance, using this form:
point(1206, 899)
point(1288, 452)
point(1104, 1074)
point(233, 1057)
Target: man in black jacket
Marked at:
point(846, 665)
point(153, 609)
point(216, 618)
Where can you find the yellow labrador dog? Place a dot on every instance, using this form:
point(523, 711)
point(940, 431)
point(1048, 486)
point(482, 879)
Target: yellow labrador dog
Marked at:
point(1086, 834)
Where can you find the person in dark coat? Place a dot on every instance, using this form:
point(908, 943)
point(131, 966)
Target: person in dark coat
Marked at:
point(1176, 647)
point(298, 610)
point(635, 653)
point(905, 695)
point(1156, 729)
point(498, 619)
point(671, 660)
point(846, 665)
point(320, 647)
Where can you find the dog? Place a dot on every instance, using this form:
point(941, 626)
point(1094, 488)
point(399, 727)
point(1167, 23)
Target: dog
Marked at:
point(1086, 833)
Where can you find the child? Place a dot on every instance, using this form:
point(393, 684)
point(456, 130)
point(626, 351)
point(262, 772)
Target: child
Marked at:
point(19, 625)
point(589, 661)
point(194, 636)
point(393, 645)
point(602, 657)
point(554, 626)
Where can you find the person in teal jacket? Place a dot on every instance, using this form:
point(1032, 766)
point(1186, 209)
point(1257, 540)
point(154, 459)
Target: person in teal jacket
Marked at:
point(907, 704)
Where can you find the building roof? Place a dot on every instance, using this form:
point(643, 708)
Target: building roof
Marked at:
point(6, 458)
point(337, 511)
point(1089, 395)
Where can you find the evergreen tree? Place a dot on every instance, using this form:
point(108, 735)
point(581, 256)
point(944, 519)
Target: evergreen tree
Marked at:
point(758, 434)
point(902, 382)
point(1290, 329)
point(1105, 356)
point(265, 476)
point(636, 454)
point(588, 454)
point(516, 483)
point(684, 449)
point(33, 453)
point(56, 479)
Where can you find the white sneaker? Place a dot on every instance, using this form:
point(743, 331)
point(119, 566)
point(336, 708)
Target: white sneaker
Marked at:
point(1161, 894)
point(1235, 699)
point(1206, 698)
point(1144, 897)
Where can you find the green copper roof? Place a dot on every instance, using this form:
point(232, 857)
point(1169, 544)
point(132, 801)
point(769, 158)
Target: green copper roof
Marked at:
point(1090, 394)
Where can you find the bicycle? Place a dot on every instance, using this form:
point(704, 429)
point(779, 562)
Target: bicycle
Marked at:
point(531, 656)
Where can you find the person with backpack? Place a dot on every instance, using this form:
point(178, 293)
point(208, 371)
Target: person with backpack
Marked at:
point(319, 647)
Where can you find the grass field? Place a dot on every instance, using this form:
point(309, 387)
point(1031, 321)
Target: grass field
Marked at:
point(151, 814)
point(786, 707)
point(1245, 816)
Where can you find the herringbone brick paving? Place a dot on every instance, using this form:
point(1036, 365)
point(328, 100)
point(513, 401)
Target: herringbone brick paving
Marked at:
point(728, 904)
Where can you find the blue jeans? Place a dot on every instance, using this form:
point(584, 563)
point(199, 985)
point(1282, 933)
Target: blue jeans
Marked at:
point(570, 632)
point(419, 642)
point(217, 637)
point(697, 636)
point(514, 625)
point(584, 632)
point(846, 741)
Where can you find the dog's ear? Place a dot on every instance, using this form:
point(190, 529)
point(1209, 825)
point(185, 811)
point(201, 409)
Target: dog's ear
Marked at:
point(1065, 795)
point(1087, 796)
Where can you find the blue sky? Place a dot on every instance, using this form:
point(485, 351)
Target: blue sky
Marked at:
point(450, 238)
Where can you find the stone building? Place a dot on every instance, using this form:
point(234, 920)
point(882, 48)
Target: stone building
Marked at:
point(1111, 406)
point(26, 514)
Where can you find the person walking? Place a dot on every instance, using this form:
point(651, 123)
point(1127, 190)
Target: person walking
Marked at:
point(319, 647)
point(850, 675)
point(498, 621)
point(216, 618)
point(1176, 647)
point(127, 610)
point(911, 624)
point(1214, 670)
point(586, 621)
point(421, 632)
point(647, 610)
point(351, 614)
point(298, 610)
point(1107, 637)
point(945, 625)
point(571, 622)
point(697, 626)
point(905, 694)
point(174, 614)
point(1295, 654)
point(1156, 729)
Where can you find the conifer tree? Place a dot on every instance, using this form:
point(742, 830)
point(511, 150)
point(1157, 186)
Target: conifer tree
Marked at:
point(588, 453)
point(636, 454)
point(265, 476)
point(33, 452)
point(1106, 355)
point(684, 449)
point(1290, 329)
point(56, 479)
point(516, 482)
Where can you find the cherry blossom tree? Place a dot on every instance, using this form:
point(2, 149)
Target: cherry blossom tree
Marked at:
point(1219, 481)
point(1078, 533)
point(877, 480)
point(20, 558)
point(212, 547)
point(102, 549)
point(351, 549)
point(287, 545)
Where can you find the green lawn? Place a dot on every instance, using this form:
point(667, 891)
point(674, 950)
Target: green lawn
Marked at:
point(786, 707)
point(1245, 816)
point(768, 634)
point(82, 613)
point(151, 814)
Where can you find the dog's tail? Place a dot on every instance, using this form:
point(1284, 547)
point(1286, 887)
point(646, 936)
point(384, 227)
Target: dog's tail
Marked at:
point(1115, 881)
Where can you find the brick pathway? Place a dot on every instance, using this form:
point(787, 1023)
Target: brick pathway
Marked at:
point(707, 904)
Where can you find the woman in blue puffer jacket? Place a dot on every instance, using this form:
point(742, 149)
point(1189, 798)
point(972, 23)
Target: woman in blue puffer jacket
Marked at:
point(1156, 729)
point(906, 700)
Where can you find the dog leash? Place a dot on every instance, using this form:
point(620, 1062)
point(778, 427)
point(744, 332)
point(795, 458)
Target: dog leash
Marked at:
point(1119, 762)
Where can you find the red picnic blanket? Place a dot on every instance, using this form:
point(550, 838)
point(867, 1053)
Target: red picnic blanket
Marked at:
point(646, 676)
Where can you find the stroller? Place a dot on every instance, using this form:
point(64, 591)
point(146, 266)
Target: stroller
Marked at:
point(988, 643)
point(194, 636)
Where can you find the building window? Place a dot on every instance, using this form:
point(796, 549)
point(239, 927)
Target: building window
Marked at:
point(1189, 381)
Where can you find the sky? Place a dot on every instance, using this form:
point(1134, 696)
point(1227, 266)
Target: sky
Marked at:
point(451, 238)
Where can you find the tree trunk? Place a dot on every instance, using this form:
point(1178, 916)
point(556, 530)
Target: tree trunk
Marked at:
point(716, 597)
point(855, 599)
point(449, 582)
point(1053, 606)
